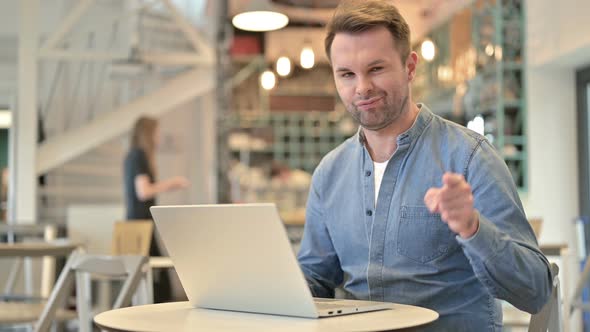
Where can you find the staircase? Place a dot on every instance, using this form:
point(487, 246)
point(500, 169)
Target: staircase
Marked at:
point(118, 61)
point(93, 178)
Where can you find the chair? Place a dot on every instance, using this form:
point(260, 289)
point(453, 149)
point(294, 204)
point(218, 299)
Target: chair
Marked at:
point(536, 225)
point(550, 316)
point(577, 302)
point(548, 319)
point(132, 237)
point(83, 267)
point(28, 310)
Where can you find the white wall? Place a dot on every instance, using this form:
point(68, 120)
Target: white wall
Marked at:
point(7, 84)
point(189, 149)
point(558, 44)
point(553, 186)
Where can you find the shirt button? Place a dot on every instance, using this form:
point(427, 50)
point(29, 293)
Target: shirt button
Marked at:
point(369, 213)
point(368, 173)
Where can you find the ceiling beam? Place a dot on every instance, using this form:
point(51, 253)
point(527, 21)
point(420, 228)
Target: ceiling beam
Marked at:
point(68, 22)
point(191, 33)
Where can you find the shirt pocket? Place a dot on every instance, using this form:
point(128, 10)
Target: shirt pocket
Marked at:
point(422, 236)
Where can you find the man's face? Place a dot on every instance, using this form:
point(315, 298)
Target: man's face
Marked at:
point(370, 77)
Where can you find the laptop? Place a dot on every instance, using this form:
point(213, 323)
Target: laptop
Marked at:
point(238, 257)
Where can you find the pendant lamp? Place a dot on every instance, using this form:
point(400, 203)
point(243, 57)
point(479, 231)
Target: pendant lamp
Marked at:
point(260, 15)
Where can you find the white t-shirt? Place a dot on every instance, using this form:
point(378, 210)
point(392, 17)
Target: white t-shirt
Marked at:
point(379, 170)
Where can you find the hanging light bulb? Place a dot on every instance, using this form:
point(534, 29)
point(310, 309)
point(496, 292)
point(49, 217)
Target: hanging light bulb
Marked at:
point(260, 16)
point(268, 80)
point(307, 57)
point(283, 66)
point(489, 49)
point(428, 50)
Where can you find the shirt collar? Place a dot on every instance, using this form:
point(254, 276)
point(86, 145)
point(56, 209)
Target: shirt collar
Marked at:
point(422, 120)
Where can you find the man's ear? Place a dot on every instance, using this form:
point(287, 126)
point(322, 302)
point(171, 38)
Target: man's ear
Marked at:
point(411, 63)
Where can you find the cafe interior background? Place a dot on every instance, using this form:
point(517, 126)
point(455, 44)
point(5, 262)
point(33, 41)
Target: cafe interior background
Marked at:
point(247, 115)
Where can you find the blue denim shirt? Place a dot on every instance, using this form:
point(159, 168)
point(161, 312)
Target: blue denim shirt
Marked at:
point(400, 252)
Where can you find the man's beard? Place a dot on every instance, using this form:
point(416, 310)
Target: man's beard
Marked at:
point(387, 113)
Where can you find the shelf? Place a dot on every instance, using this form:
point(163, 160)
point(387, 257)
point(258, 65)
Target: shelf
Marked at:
point(491, 107)
point(516, 140)
point(499, 86)
point(299, 139)
point(513, 103)
point(520, 156)
point(267, 150)
point(511, 65)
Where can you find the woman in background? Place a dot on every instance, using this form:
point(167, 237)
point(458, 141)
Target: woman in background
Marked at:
point(141, 188)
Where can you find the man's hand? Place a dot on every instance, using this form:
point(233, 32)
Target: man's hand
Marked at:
point(454, 202)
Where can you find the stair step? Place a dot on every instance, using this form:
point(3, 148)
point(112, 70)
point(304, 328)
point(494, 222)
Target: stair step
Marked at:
point(83, 192)
point(89, 170)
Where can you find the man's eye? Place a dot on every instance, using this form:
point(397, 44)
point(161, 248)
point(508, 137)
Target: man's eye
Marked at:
point(347, 75)
point(374, 69)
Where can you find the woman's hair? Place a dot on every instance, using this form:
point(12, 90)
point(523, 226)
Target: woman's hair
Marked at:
point(143, 137)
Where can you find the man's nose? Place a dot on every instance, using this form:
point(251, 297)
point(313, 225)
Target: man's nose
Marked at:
point(364, 87)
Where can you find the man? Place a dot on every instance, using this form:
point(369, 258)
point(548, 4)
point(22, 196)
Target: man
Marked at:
point(413, 209)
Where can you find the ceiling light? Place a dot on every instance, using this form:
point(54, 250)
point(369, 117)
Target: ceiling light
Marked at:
point(428, 50)
point(268, 80)
point(307, 57)
point(283, 66)
point(260, 16)
point(5, 118)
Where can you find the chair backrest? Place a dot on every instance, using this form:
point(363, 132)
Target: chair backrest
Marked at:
point(81, 267)
point(132, 237)
point(549, 318)
point(536, 225)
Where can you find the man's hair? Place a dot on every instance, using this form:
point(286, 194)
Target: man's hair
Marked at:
point(356, 16)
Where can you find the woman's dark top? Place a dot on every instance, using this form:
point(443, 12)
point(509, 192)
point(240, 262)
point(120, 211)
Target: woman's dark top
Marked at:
point(136, 163)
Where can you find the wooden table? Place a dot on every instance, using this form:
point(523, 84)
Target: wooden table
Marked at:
point(37, 249)
point(39, 229)
point(293, 218)
point(160, 262)
point(182, 317)
point(554, 249)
